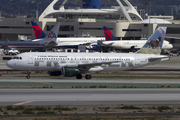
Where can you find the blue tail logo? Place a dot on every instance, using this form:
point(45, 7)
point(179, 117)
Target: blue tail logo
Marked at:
point(108, 35)
point(39, 33)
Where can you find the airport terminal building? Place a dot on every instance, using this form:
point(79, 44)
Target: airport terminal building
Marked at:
point(125, 22)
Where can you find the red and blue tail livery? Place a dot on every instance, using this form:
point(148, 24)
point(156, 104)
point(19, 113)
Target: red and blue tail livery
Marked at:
point(108, 35)
point(39, 33)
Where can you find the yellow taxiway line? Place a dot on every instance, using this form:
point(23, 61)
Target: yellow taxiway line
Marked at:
point(44, 83)
point(23, 103)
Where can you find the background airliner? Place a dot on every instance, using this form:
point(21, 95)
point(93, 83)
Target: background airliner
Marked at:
point(67, 42)
point(39, 45)
point(76, 64)
point(127, 45)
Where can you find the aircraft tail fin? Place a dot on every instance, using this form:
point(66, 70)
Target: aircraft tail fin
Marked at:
point(38, 32)
point(50, 39)
point(52, 35)
point(108, 35)
point(154, 43)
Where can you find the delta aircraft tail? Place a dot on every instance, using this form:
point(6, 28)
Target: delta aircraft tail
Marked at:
point(38, 32)
point(108, 35)
point(154, 43)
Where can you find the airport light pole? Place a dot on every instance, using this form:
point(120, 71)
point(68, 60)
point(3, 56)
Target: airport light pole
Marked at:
point(81, 3)
point(37, 14)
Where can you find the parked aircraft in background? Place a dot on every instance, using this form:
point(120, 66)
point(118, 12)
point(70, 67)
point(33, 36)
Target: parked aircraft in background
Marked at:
point(127, 44)
point(76, 64)
point(39, 45)
point(67, 42)
point(38, 32)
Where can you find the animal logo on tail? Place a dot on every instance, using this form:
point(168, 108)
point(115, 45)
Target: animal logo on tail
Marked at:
point(108, 35)
point(154, 43)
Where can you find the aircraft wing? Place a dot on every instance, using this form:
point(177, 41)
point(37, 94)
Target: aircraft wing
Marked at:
point(73, 43)
point(107, 43)
point(87, 66)
point(172, 37)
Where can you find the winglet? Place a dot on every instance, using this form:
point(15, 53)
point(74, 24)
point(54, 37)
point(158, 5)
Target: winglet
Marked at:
point(38, 32)
point(108, 35)
point(154, 43)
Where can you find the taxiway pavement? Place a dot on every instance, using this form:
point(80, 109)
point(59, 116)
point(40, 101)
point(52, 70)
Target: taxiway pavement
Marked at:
point(94, 80)
point(88, 96)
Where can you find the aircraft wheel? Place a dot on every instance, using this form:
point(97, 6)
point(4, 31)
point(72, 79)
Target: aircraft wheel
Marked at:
point(88, 77)
point(79, 76)
point(28, 77)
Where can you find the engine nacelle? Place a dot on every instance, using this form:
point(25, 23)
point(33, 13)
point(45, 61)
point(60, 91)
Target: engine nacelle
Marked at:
point(54, 73)
point(70, 71)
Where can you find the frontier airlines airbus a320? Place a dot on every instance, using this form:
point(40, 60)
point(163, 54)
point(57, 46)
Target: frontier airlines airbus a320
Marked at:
point(76, 64)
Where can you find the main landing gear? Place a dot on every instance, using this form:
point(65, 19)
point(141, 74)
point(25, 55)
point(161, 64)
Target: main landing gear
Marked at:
point(79, 76)
point(88, 76)
point(28, 76)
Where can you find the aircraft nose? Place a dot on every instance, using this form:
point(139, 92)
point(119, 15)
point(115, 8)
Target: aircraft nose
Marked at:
point(171, 46)
point(9, 64)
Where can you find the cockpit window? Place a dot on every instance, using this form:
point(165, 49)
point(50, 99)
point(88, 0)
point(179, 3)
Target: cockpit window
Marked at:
point(18, 58)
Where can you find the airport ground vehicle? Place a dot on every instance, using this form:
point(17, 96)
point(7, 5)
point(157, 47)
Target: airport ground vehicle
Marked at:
point(11, 52)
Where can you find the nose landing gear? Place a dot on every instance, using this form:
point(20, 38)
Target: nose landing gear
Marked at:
point(28, 76)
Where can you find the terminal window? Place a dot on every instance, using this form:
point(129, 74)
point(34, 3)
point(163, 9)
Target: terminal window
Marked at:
point(171, 30)
point(62, 27)
point(131, 29)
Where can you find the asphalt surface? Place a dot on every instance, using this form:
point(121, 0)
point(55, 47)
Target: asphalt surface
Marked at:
point(88, 96)
point(94, 80)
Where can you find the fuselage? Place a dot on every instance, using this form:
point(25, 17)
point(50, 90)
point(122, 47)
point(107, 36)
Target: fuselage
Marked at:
point(23, 45)
point(42, 61)
point(137, 44)
point(74, 42)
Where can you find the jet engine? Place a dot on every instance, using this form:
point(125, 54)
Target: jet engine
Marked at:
point(54, 73)
point(70, 71)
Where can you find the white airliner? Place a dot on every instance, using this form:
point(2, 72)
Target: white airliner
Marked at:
point(128, 44)
point(39, 44)
point(66, 42)
point(76, 64)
